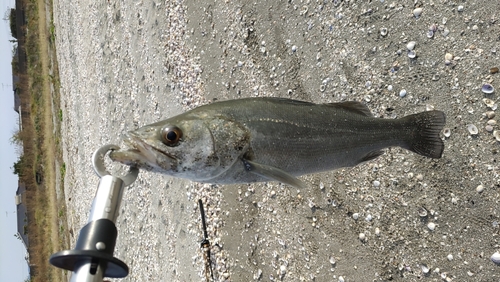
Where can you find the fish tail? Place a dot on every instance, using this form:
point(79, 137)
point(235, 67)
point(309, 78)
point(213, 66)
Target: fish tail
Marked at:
point(423, 133)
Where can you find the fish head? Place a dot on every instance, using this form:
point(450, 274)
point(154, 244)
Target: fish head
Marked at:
point(185, 147)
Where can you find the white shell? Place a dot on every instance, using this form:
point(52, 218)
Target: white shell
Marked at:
point(402, 93)
point(431, 226)
point(447, 132)
point(332, 260)
point(425, 269)
point(362, 236)
point(448, 56)
point(495, 258)
point(411, 45)
point(417, 12)
point(496, 134)
point(488, 102)
point(460, 8)
point(383, 31)
point(472, 129)
point(412, 54)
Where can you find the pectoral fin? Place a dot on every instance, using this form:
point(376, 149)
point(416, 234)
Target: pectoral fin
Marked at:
point(273, 173)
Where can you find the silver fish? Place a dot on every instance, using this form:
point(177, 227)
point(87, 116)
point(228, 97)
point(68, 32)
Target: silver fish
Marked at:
point(265, 139)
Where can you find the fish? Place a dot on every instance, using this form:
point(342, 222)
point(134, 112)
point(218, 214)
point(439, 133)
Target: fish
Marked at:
point(274, 139)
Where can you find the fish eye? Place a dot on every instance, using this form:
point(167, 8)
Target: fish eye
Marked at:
point(171, 135)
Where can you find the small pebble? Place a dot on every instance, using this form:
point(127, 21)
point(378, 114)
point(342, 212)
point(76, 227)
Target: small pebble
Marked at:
point(377, 231)
point(447, 132)
point(355, 216)
point(389, 87)
point(417, 12)
point(490, 114)
point(294, 48)
point(447, 58)
point(495, 258)
point(491, 122)
point(282, 269)
point(446, 32)
point(450, 257)
point(341, 279)
point(460, 8)
point(402, 93)
point(494, 70)
point(488, 128)
point(480, 188)
point(472, 129)
point(376, 183)
point(431, 226)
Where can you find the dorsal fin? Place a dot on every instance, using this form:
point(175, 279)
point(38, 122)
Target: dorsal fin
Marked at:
point(354, 107)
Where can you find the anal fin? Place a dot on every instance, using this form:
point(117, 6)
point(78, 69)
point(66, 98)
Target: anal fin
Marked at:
point(273, 173)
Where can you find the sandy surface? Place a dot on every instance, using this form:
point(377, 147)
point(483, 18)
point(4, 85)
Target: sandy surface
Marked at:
point(126, 64)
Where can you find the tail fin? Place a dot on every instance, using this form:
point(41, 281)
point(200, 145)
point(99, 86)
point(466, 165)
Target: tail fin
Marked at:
point(423, 137)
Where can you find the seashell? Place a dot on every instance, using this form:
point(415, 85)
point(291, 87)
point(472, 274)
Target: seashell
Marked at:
point(472, 129)
point(460, 8)
point(492, 122)
point(431, 226)
point(488, 102)
point(490, 114)
point(422, 212)
point(430, 34)
point(383, 31)
point(496, 134)
point(411, 45)
point(425, 269)
point(417, 12)
point(412, 54)
point(487, 88)
point(488, 128)
point(447, 132)
point(495, 258)
point(362, 236)
point(448, 56)
point(332, 260)
point(446, 32)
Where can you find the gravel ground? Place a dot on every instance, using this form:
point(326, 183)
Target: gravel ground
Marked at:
point(126, 64)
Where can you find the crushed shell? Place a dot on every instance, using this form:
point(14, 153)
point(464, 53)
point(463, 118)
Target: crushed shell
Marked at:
point(496, 134)
point(488, 102)
point(472, 129)
point(447, 132)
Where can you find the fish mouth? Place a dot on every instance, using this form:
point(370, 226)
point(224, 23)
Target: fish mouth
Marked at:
point(142, 155)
